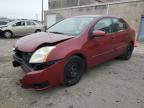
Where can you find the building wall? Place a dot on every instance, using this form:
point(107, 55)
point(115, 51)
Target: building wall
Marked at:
point(54, 4)
point(131, 11)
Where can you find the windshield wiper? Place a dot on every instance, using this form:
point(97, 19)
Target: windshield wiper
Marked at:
point(57, 32)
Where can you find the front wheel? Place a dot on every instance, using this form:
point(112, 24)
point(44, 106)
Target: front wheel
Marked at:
point(73, 70)
point(128, 53)
point(7, 34)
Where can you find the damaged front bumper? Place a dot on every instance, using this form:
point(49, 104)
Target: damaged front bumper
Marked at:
point(43, 78)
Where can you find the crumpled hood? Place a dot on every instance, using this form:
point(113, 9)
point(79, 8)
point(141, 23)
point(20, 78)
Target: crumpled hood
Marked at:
point(31, 42)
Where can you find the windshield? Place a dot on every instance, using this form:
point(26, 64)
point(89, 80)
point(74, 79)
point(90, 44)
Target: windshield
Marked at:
point(71, 26)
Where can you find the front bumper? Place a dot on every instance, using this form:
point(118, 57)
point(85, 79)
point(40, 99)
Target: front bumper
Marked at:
point(41, 79)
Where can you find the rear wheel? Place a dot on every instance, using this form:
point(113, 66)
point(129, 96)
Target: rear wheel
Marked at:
point(73, 70)
point(128, 53)
point(7, 34)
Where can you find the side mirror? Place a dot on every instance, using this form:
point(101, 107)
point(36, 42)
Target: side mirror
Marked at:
point(98, 33)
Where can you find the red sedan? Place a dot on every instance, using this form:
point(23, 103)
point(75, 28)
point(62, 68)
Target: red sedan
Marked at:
point(63, 53)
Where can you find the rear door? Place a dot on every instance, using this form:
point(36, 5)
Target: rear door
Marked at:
point(121, 35)
point(101, 48)
point(31, 27)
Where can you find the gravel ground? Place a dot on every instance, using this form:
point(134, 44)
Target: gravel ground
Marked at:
point(114, 84)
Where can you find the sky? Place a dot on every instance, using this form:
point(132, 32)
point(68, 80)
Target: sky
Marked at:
point(26, 9)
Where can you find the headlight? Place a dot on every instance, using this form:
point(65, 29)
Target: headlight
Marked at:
point(40, 56)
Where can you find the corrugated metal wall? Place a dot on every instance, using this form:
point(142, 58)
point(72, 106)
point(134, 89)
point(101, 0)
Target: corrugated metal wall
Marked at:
point(54, 4)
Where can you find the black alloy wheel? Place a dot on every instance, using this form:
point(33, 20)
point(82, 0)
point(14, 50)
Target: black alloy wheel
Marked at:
point(128, 53)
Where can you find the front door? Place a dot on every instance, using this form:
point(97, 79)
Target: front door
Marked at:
point(19, 28)
point(101, 48)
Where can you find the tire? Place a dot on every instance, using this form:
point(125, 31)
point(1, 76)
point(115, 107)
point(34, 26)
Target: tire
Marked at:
point(128, 53)
point(73, 70)
point(37, 31)
point(7, 34)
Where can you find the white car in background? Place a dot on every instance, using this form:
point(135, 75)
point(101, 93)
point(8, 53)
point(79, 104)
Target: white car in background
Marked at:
point(3, 22)
point(20, 28)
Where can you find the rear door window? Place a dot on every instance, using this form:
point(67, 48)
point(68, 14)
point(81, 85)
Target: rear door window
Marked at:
point(119, 25)
point(30, 23)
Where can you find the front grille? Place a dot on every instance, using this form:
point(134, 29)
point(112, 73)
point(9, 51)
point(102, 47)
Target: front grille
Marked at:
point(39, 66)
point(23, 55)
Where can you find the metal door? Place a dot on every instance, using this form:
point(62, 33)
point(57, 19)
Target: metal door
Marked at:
point(141, 33)
point(51, 19)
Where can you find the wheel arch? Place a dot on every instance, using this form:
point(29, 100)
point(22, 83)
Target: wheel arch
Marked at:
point(38, 30)
point(8, 31)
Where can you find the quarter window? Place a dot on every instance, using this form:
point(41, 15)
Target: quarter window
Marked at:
point(104, 25)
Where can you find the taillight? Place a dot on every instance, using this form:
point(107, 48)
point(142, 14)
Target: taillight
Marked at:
point(135, 41)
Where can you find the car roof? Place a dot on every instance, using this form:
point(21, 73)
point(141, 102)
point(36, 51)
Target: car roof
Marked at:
point(23, 20)
point(97, 16)
point(17, 20)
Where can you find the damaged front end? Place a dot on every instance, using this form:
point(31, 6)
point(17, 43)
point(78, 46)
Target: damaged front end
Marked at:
point(38, 76)
point(33, 54)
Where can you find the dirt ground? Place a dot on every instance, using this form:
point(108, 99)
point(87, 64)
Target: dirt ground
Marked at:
point(114, 84)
